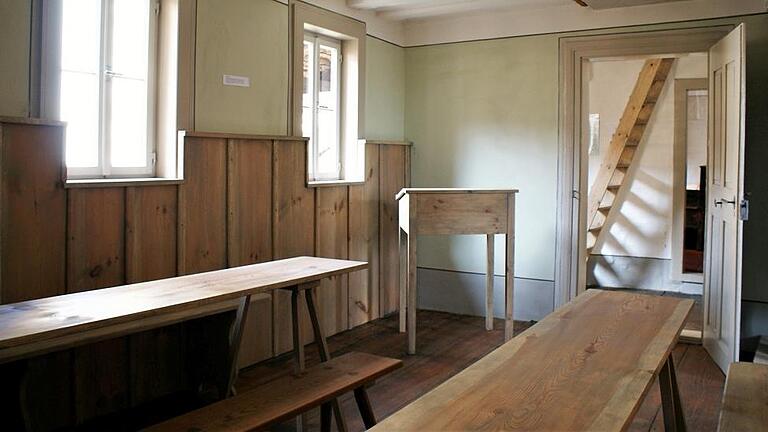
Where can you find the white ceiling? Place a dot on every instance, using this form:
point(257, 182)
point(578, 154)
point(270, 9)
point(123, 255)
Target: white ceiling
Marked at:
point(399, 10)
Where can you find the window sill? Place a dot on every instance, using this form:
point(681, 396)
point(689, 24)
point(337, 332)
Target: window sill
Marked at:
point(120, 182)
point(333, 183)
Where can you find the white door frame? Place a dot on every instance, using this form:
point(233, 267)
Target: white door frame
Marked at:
point(570, 247)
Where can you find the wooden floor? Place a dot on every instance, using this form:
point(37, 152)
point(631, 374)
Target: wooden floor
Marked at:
point(449, 343)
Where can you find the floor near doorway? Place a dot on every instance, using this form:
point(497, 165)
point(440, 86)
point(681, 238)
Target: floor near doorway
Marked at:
point(448, 343)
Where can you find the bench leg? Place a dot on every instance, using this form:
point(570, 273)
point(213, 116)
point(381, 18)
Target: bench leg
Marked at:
point(235, 340)
point(364, 405)
point(298, 344)
point(325, 355)
point(489, 282)
point(674, 419)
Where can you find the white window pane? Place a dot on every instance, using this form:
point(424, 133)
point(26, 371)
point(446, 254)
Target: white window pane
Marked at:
point(80, 35)
point(327, 112)
point(80, 109)
point(328, 67)
point(307, 97)
point(128, 122)
point(130, 36)
point(327, 142)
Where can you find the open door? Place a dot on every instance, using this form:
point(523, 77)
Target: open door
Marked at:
point(722, 272)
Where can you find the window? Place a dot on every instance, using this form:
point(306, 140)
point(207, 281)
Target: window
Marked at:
point(105, 84)
point(327, 99)
point(320, 107)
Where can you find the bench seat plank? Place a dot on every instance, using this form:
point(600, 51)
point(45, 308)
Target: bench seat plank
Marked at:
point(586, 366)
point(745, 401)
point(38, 322)
point(285, 397)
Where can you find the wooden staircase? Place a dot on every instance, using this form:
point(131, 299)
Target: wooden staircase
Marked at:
point(611, 175)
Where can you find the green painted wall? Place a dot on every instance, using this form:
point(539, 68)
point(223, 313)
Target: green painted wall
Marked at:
point(14, 57)
point(245, 38)
point(384, 90)
point(485, 114)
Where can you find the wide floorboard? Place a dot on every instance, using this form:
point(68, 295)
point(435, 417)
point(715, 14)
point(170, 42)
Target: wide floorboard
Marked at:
point(448, 343)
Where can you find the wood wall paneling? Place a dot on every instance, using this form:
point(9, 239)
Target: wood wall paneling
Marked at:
point(96, 238)
point(392, 177)
point(293, 223)
point(249, 202)
point(364, 242)
point(203, 206)
point(150, 232)
point(32, 212)
point(101, 379)
point(331, 234)
point(249, 234)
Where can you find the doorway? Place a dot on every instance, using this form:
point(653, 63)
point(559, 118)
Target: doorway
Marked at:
point(724, 44)
point(631, 239)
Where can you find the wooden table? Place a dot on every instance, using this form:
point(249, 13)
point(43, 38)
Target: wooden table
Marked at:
point(745, 400)
point(586, 366)
point(424, 211)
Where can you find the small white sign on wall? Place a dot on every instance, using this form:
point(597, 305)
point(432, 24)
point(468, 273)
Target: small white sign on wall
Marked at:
point(237, 81)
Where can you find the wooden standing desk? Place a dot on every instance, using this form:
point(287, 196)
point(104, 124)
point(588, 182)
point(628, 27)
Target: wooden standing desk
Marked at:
point(439, 211)
point(586, 366)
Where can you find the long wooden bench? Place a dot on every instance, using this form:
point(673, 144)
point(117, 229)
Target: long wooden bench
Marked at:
point(586, 366)
point(745, 400)
point(287, 397)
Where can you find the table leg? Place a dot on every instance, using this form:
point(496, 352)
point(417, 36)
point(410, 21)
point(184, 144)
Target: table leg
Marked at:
point(412, 290)
point(364, 405)
point(489, 283)
point(672, 409)
point(403, 250)
point(235, 340)
point(325, 355)
point(509, 271)
point(298, 345)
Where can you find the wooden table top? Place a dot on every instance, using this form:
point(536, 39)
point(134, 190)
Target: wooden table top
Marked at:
point(586, 366)
point(404, 191)
point(745, 402)
point(53, 317)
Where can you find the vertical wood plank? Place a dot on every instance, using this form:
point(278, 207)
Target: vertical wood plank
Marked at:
point(249, 202)
point(96, 259)
point(331, 233)
point(32, 213)
point(293, 226)
point(392, 178)
point(96, 238)
point(203, 206)
point(150, 232)
point(155, 362)
point(249, 234)
point(364, 242)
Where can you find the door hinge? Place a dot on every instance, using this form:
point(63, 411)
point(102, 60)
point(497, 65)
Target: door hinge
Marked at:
point(157, 8)
point(575, 195)
point(744, 209)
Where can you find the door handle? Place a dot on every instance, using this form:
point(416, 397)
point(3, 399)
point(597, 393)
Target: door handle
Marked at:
point(725, 201)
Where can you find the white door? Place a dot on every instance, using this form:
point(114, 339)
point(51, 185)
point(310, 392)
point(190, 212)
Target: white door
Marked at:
point(725, 184)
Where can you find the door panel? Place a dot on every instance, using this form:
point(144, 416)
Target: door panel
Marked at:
point(722, 275)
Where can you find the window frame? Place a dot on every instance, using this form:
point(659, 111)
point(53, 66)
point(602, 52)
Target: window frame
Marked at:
point(314, 172)
point(51, 95)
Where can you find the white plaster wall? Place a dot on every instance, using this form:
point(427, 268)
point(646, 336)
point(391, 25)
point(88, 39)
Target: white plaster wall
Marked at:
point(643, 226)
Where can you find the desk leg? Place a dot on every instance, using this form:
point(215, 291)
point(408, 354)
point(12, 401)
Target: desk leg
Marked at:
point(674, 420)
point(509, 271)
point(489, 283)
point(403, 249)
point(298, 345)
point(325, 355)
point(412, 289)
point(235, 340)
